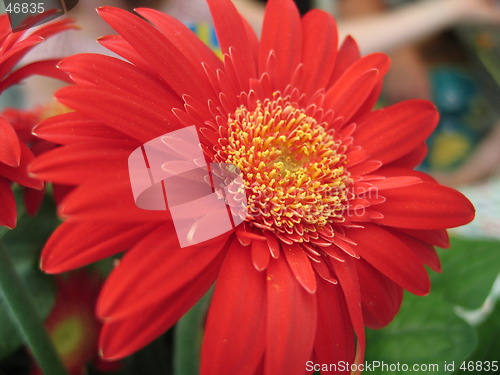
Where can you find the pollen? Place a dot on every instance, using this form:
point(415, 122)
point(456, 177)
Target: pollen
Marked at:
point(294, 170)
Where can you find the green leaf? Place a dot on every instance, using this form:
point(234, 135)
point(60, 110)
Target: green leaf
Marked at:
point(24, 244)
point(488, 344)
point(426, 331)
point(470, 268)
point(188, 338)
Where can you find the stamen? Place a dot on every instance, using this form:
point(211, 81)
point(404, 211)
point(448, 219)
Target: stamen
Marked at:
point(293, 169)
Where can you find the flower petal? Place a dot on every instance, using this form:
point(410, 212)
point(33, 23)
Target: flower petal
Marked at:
point(10, 152)
point(123, 295)
point(351, 90)
point(436, 237)
point(8, 211)
point(391, 256)
point(47, 68)
point(381, 298)
point(425, 206)
point(334, 340)
point(123, 337)
point(90, 69)
point(20, 174)
point(75, 245)
point(76, 163)
point(137, 121)
point(188, 43)
point(388, 133)
point(301, 266)
point(347, 276)
point(176, 69)
point(232, 34)
point(73, 127)
point(118, 45)
point(291, 321)
point(104, 199)
point(260, 254)
point(319, 54)
point(282, 34)
point(33, 199)
point(422, 249)
point(239, 301)
point(347, 55)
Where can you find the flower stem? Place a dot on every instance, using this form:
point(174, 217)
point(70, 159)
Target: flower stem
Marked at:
point(188, 337)
point(24, 314)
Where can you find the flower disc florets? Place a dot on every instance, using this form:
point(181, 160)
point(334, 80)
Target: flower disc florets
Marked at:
point(293, 169)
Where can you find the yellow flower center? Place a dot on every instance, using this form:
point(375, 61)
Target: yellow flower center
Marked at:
point(293, 168)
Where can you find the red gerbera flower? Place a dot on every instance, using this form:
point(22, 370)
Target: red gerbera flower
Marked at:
point(15, 155)
point(22, 123)
point(71, 324)
point(339, 222)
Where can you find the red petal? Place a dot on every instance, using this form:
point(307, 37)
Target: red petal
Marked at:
point(282, 34)
point(394, 183)
point(425, 206)
point(11, 56)
point(109, 72)
point(365, 167)
point(391, 256)
point(345, 100)
point(55, 27)
point(121, 47)
point(8, 211)
point(76, 163)
point(239, 300)
point(371, 100)
point(380, 296)
point(412, 159)
point(47, 68)
point(184, 75)
point(320, 38)
point(10, 152)
point(33, 200)
point(74, 127)
point(109, 198)
point(20, 174)
point(291, 321)
point(74, 245)
point(188, 43)
point(436, 237)
point(260, 254)
point(399, 172)
point(348, 54)
point(139, 120)
point(350, 91)
point(123, 337)
point(335, 336)
point(423, 250)
point(348, 278)
point(162, 267)
point(274, 244)
point(388, 133)
point(301, 266)
point(232, 34)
